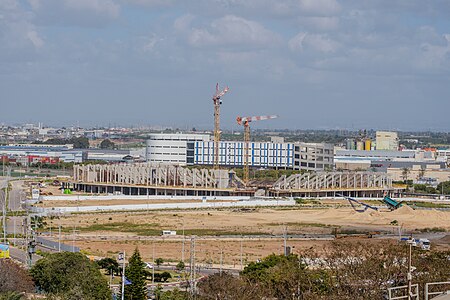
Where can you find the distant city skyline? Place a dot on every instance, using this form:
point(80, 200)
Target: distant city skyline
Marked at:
point(318, 64)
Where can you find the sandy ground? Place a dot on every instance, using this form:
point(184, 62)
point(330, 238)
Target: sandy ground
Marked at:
point(76, 203)
point(208, 249)
point(270, 221)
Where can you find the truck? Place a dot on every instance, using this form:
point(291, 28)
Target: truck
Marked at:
point(424, 244)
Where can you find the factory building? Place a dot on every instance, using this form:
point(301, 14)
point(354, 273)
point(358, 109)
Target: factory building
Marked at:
point(173, 148)
point(387, 140)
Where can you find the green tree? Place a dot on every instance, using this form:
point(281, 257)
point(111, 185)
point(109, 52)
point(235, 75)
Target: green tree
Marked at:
point(444, 187)
point(180, 266)
point(12, 296)
point(107, 144)
point(109, 264)
point(70, 276)
point(159, 261)
point(405, 174)
point(80, 142)
point(135, 272)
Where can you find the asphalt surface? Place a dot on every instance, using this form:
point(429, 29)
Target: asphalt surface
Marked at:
point(21, 255)
point(16, 195)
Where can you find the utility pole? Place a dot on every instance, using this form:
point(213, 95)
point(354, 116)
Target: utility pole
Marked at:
point(221, 260)
point(242, 262)
point(153, 258)
point(410, 268)
point(285, 241)
point(59, 237)
point(182, 248)
point(4, 205)
point(192, 268)
point(123, 276)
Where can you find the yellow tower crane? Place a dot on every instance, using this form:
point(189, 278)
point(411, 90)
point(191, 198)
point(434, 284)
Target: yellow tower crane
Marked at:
point(217, 102)
point(245, 121)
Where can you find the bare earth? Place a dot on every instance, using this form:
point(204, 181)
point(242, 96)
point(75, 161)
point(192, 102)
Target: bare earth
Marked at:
point(108, 242)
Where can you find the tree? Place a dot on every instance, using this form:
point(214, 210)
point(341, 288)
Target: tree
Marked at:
point(135, 272)
point(180, 266)
point(80, 142)
point(159, 261)
point(165, 276)
point(107, 144)
point(109, 264)
point(12, 296)
point(70, 276)
point(405, 174)
point(14, 278)
point(444, 187)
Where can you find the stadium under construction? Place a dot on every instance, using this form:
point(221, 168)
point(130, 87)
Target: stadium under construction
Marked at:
point(170, 180)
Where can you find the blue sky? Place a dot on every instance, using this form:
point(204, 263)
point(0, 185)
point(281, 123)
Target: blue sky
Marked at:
point(318, 64)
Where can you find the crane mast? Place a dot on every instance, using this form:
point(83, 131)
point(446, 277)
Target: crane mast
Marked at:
point(217, 102)
point(245, 121)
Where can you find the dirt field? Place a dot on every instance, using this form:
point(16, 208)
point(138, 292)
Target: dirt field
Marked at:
point(269, 221)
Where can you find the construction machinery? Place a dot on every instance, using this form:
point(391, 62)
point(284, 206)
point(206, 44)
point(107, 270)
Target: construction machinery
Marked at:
point(245, 121)
point(390, 203)
point(353, 201)
point(217, 102)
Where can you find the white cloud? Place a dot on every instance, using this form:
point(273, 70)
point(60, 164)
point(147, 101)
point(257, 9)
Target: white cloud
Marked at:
point(231, 30)
point(35, 39)
point(320, 23)
point(84, 13)
point(316, 42)
point(320, 7)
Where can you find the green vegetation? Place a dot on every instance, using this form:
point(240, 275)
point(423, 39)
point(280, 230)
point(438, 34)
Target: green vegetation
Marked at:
point(180, 266)
point(69, 275)
point(345, 270)
point(78, 142)
point(107, 144)
point(135, 273)
point(428, 204)
point(153, 229)
point(302, 201)
point(444, 187)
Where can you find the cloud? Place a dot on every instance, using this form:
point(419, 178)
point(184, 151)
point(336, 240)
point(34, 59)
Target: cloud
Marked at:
point(320, 7)
point(83, 13)
point(35, 39)
point(233, 31)
point(315, 42)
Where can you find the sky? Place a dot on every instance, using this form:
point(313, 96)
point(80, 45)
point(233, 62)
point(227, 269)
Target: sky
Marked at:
point(317, 64)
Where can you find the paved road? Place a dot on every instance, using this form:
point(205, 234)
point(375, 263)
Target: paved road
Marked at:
point(21, 255)
point(16, 195)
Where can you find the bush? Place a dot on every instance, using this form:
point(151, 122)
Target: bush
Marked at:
point(14, 278)
point(70, 276)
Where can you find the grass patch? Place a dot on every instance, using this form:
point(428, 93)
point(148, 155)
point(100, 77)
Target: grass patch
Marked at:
point(302, 201)
point(428, 204)
point(140, 229)
point(433, 229)
point(300, 224)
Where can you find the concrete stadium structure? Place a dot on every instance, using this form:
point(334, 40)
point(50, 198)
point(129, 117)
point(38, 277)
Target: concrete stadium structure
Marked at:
point(170, 180)
point(333, 184)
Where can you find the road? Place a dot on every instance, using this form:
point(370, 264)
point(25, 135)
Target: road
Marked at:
point(21, 255)
point(16, 195)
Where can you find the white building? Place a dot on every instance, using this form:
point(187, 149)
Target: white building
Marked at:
point(198, 149)
point(173, 148)
point(387, 140)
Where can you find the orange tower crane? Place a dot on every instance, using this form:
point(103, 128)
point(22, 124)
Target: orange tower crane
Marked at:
point(245, 121)
point(217, 102)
